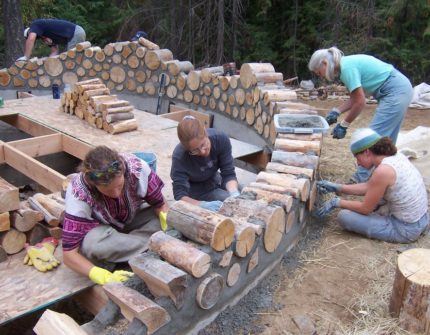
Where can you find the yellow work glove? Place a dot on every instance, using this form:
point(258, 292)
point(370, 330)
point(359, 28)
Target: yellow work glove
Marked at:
point(163, 220)
point(102, 276)
point(41, 255)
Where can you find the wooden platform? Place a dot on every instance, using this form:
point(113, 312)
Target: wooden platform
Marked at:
point(24, 289)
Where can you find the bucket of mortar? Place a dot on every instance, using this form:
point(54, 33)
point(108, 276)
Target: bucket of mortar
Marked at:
point(149, 158)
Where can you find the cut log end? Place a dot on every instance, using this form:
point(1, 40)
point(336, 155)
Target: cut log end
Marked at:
point(209, 291)
point(223, 235)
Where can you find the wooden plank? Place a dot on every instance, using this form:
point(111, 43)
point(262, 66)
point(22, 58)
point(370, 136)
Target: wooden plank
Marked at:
point(27, 125)
point(9, 196)
point(53, 323)
point(33, 169)
point(39, 146)
point(75, 147)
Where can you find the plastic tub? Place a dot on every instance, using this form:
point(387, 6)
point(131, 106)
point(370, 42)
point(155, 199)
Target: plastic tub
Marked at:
point(149, 158)
point(300, 123)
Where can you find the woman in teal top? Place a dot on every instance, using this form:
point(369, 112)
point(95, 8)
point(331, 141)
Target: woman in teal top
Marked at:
point(364, 74)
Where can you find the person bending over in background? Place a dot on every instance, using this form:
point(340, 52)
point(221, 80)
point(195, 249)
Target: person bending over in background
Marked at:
point(394, 207)
point(104, 221)
point(52, 32)
point(195, 164)
point(364, 74)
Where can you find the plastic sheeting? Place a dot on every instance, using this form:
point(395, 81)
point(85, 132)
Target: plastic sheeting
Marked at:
point(421, 97)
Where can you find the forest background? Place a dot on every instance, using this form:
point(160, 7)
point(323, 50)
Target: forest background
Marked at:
point(212, 32)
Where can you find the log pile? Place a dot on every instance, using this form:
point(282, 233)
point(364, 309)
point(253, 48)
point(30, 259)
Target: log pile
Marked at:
point(330, 92)
point(91, 101)
point(27, 221)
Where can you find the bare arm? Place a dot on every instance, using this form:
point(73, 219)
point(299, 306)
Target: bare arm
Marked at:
point(356, 103)
point(354, 189)
point(163, 208)
point(382, 177)
point(77, 262)
point(54, 50)
point(29, 44)
point(232, 186)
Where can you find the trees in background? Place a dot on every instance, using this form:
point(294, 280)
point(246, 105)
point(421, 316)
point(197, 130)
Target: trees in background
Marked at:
point(285, 33)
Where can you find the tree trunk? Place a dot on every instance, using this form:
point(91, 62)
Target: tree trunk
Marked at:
point(13, 27)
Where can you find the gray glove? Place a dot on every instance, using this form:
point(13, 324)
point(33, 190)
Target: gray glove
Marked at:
point(23, 58)
point(327, 207)
point(325, 186)
point(332, 116)
point(213, 206)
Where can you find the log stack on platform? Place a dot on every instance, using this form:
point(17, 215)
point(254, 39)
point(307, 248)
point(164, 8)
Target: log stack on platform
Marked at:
point(91, 100)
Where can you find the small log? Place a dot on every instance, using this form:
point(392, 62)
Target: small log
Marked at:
point(82, 46)
point(303, 185)
point(119, 117)
point(302, 137)
point(193, 80)
point(209, 291)
point(38, 233)
point(244, 238)
point(296, 159)
point(53, 66)
point(181, 81)
point(225, 82)
point(272, 218)
point(89, 82)
point(172, 91)
point(117, 73)
point(120, 109)
point(24, 219)
point(226, 259)
point(4, 221)
point(175, 67)
point(148, 44)
point(82, 88)
point(48, 217)
point(277, 199)
point(209, 72)
point(278, 95)
point(253, 261)
point(201, 225)
point(122, 126)
point(53, 323)
point(135, 305)
point(248, 70)
point(288, 145)
point(294, 170)
point(269, 77)
point(410, 298)
point(233, 274)
point(52, 206)
point(100, 91)
point(180, 254)
point(9, 196)
point(162, 279)
point(153, 58)
point(55, 232)
point(12, 241)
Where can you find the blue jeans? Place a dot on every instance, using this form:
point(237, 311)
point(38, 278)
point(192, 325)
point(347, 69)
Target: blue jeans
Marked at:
point(394, 97)
point(384, 228)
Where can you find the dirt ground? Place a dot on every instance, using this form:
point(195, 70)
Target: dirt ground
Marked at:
point(334, 282)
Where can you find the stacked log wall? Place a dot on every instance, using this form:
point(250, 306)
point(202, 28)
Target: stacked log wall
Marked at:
point(250, 98)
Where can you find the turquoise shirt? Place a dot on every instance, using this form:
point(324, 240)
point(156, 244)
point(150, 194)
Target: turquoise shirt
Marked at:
point(363, 71)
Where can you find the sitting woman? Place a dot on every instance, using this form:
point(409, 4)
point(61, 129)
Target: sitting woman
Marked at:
point(395, 205)
point(104, 221)
point(195, 164)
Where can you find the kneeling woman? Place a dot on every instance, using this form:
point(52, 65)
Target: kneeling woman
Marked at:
point(395, 205)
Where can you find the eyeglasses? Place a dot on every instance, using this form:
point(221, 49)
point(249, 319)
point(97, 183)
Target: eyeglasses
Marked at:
point(201, 148)
point(104, 176)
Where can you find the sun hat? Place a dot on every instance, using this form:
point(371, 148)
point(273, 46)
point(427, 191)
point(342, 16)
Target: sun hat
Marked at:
point(26, 32)
point(363, 139)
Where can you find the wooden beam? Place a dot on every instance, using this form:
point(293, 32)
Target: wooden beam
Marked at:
point(39, 146)
point(75, 147)
point(27, 125)
point(1, 153)
point(33, 169)
point(53, 323)
point(178, 113)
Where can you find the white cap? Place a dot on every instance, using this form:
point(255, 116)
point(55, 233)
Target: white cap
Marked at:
point(26, 32)
point(362, 139)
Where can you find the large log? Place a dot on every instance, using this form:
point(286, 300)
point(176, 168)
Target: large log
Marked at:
point(153, 58)
point(269, 77)
point(277, 199)
point(410, 298)
point(175, 67)
point(148, 44)
point(201, 225)
point(53, 323)
point(135, 305)
point(288, 145)
point(272, 218)
point(9, 196)
point(12, 241)
point(180, 254)
point(193, 80)
point(162, 279)
point(209, 291)
point(303, 185)
point(295, 159)
point(294, 170)
point(248, 70)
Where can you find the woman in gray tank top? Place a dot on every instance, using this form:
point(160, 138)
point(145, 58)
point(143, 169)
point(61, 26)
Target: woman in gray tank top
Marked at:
point(394, 207)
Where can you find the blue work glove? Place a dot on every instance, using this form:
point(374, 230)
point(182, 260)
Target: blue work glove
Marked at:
point(332, 116)
point(234, 194)
point(213, 206)
point(339, 131)
point(325, 186)
point(327, 207)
